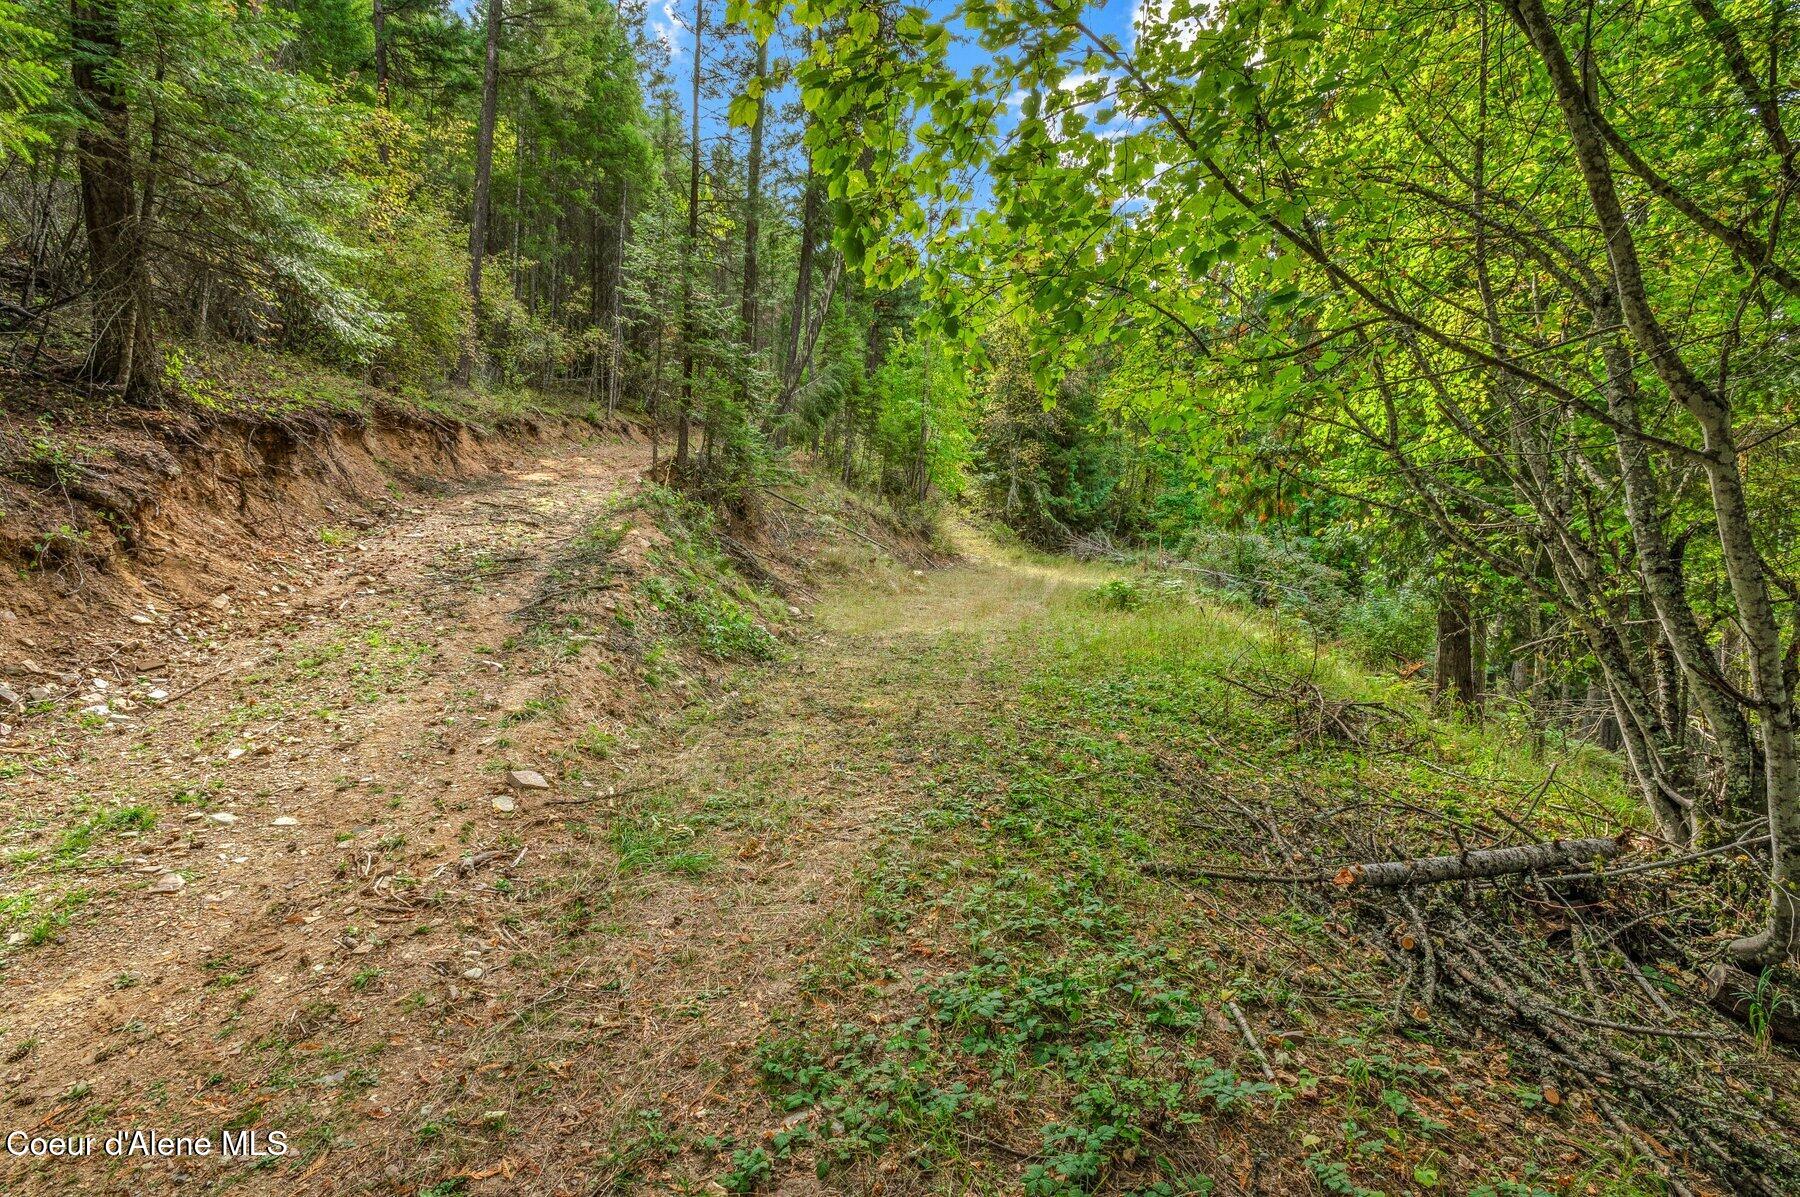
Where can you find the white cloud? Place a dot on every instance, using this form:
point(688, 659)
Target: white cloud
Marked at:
point(1078, 80)
point(1070, 83)
point(665, 23)
point(1186, 31)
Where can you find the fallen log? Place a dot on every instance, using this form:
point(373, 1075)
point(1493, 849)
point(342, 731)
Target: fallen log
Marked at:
point(1428, 870)
point(1484, 862)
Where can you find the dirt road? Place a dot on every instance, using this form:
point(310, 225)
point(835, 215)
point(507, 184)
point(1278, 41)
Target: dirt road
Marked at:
point(295, 893)
point(875, 910)
point(326, 754)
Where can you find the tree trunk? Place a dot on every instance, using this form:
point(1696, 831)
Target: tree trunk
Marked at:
point(801, 315)
point(1455, 674)
point(615, 307)
point(1744, 568)
point(1483, 862)
point(812, 323)
point(518, 212)
point(378, 17)
point(751, 315)
point(123, 352)
point(597, 252)
point(1603, 728)
point(687, 253)
point(1740, 788)
point(484, 170)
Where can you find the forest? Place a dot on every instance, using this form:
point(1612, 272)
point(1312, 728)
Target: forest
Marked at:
point(1317, 473)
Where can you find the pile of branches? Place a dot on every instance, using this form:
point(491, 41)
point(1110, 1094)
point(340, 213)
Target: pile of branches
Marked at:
point(1317, 716)
point(1554, 948)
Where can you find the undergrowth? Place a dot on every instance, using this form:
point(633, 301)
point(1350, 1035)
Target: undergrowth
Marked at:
point(700, 592)
point(1024, 1005)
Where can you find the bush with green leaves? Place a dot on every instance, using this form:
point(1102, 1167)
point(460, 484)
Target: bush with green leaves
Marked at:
point(1386, 625)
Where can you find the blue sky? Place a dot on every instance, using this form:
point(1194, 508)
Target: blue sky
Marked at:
point(668, 19)
point(664, 16)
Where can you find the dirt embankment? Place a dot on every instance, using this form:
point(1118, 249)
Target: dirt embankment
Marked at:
point(116, 522)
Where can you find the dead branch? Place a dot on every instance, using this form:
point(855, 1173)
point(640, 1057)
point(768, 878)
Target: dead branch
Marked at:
point(1483, 862)
point(1632, 1028)
point(1318, 716)
point(1243, 1026)
point(469, 864)
point(843, 524)
point(1657, 865)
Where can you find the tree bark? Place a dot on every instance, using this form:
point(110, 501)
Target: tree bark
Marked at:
point(484, 169)
point(123, 353)
point(801, 314)
point(1455, 674)
point(606, 260)
point(615, 306)
point(1736, 993)
point(1740, 788)
point(1765, 100)
point(687, 253)
point(751, 315)
point(813, 322)
point(1484, 862)
point(1574, 566)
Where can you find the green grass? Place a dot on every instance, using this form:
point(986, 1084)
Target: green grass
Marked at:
point(371, 663)
point(32, 917)
point(597, 742)
point(1018, 974)
point(715, 622)
point(655, 838)
point(246, 380)
point(38, 918)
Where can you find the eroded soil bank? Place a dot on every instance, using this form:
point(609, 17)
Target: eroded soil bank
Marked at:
point(114, 521)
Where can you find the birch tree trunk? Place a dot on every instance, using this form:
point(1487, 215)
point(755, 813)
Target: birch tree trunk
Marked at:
point(1743, 562)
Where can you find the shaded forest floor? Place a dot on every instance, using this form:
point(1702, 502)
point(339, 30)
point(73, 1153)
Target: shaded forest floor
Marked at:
point(862, 899)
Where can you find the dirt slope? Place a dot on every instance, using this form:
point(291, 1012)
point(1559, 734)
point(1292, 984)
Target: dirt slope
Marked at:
point(289, 769)
point(107, 513)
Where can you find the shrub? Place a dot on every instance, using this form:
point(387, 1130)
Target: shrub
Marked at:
point(1270, 571)
point(1387, 625)
point(416, 275)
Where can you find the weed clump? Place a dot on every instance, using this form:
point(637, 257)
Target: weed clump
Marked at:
point(1135, 594)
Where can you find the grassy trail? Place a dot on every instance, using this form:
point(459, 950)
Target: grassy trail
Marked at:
point(962, 979)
